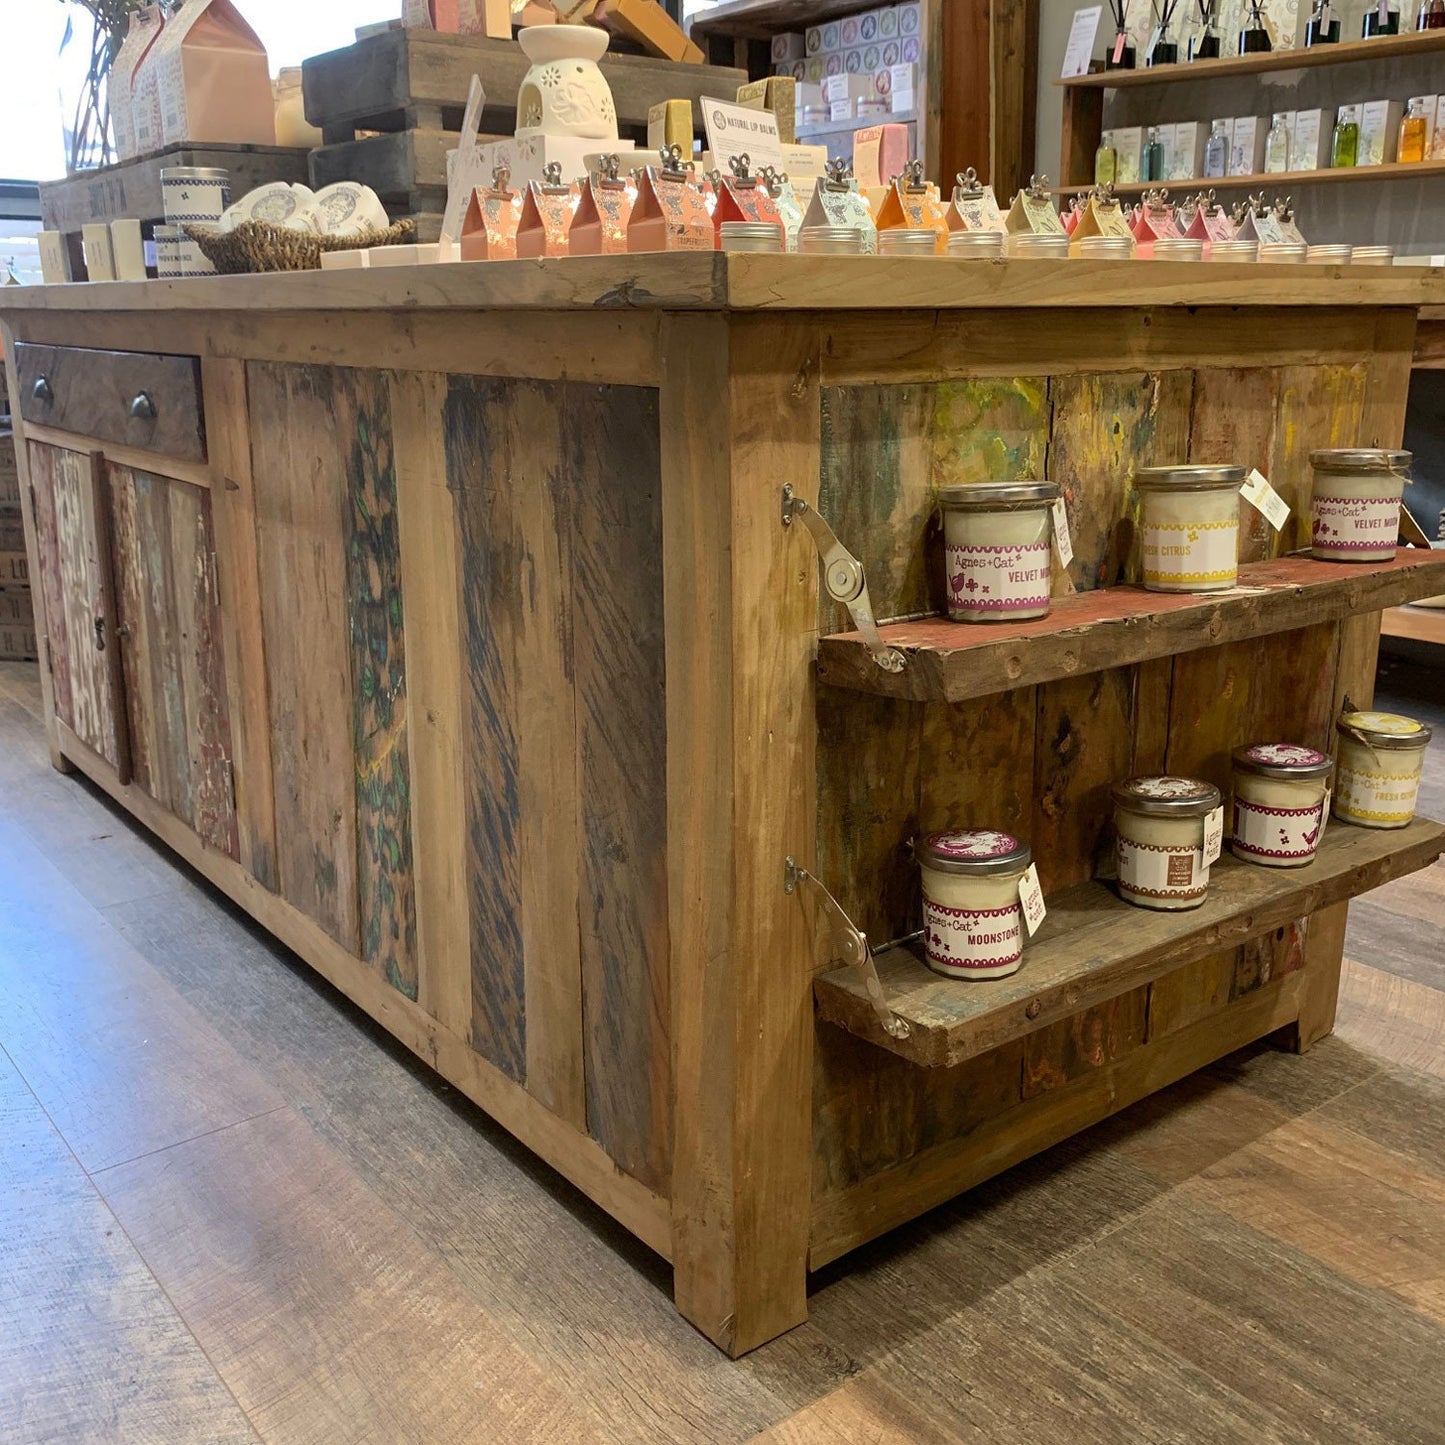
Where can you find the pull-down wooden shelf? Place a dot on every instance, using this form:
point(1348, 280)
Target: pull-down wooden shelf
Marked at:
point(1117, 626)
point(1093, 946)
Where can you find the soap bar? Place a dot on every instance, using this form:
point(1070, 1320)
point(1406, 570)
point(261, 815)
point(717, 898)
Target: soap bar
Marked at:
point(669, 123)
point(646, 22)
point(777, 93)
point(880, 152)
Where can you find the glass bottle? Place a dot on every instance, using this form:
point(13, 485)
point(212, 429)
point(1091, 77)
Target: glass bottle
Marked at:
point(1254, 37)
point(1204, 43)
point(1412, 133)
point(1322, 28)
point(1165, 51)
point(1151, 165)
point(1120, 55)
point(1216, 150)
point(1432, 15)
point(1379, 20)
point(1106, 165)
point(1277, 145)
point(1345, 145)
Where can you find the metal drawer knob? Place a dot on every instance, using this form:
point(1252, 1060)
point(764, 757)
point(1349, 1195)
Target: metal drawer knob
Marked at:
point(142, 408)
point(41, 390)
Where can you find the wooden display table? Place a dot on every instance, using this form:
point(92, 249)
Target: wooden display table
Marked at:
point(447, 620)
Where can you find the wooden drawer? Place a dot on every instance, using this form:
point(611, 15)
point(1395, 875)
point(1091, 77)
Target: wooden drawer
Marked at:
point(136, 397)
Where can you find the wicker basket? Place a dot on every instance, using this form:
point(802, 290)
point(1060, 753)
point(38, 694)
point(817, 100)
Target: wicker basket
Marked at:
point(259, 246)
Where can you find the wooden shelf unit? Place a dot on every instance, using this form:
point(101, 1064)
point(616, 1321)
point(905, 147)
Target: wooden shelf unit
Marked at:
point(1280, 180)
point(1119, 626)
point(1093, 946)
point(1083, 122)
point(1415, 624)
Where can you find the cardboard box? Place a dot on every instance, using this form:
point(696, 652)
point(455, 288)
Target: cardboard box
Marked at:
point(18, 644)
point(17, 608)
point(846, 87)
point(14, 568)
point(1128, 143)
point(1313, 131)
point(1379, 131)
point(1246, 146)
point(1186, 150)
point(790, 46)
point(213, 78)
point(9, 473)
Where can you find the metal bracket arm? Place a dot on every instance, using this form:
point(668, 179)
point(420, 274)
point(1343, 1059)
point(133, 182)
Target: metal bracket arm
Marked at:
point(849, 945)
point(843, 577)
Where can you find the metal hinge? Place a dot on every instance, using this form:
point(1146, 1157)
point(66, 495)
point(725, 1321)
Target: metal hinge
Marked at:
point(843, 577)
point(850, 946)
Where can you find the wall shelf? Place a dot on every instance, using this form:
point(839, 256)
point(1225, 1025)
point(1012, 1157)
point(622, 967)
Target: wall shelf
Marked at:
point(1117, 626)
point(1418, 624)
point(1094, 946)
point(1393, 171)
point(1386, 47)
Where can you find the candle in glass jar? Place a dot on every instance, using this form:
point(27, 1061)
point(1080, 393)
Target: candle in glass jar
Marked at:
point(1189, 527)
point(1278, 815)
point(973, 921)
point(1159, 845)
point(1381, 758)
point(1355, 506)
point(997, 539)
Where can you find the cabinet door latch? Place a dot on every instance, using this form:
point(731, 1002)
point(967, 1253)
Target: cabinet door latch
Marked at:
point(843, 577)
point(849, 946)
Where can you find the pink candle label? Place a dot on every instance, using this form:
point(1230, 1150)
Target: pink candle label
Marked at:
point(968, 938)
point(1152, 870)
point(999, 579)
point(1355, 524)
point(1283, 834)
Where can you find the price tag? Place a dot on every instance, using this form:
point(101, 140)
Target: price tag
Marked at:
point(1325, 808)
point(1120, 41)
point(1062, 539)
point(1213, 835)
point(1031, 896)
point(1263, 497)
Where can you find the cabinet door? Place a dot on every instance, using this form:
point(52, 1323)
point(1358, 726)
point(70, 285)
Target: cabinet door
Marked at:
point(72, 533)
point(171, 650)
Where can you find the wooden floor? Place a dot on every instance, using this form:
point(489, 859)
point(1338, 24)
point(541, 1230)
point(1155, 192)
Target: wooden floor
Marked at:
point(232, 1209)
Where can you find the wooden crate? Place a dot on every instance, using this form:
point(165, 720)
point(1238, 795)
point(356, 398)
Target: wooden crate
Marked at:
point(390, 107)
point(14, 569)
point(132, 189)
point(9, 472)
point(17, 625)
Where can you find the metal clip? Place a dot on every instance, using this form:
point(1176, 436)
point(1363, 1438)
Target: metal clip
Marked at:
point(552, 180)
point(774, 180)
point(839, 172)
point(968, 187)
point(1037, 188)
point(608, 175)
point(843, 577)
point(672, 166)
point(501, 176)
point(850, 945)
point(912, 178)
point(742, 177)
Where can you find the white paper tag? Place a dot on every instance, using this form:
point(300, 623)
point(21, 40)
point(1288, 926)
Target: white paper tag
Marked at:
point(1031, 896)
point(1062, 540)
point(464, 172)
point(1263, 497)
point(1325, 808)
point(1213, 835)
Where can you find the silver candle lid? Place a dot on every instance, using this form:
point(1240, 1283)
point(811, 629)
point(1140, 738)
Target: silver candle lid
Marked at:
point(1167, 797)
point(989, 496)
point(1360, 459)
point(1282, 760)
point(1188, 478)
point(975, 852)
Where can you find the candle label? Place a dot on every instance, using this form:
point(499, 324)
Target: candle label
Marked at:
point(1355, 526)
point(1281, 834)
point(1371, 795)
point(966, 939)
point(997, 580)
point(1154, 870)
point(1185, 552)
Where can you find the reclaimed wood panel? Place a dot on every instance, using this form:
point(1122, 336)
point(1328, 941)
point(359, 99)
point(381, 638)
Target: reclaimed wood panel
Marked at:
point(45, 466)
point(614, 502)
point(386, 901)
point(1105, 425)
point(138, 654)
point(1085, 1041)
point(300, 486)
point(1232, 423)
point(1319, 406)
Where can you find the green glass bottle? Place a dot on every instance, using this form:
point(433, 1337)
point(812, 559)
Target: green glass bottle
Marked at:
point(1345, 146)
point(1106, 164)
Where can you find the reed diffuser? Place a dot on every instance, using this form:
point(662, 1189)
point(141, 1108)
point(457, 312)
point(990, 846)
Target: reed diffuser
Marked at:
point(1204, 43)
point(1120, 55)
point(1163, 50)
point(1254, 37)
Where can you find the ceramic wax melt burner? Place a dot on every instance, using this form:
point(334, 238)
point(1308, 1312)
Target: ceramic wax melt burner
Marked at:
point(1160, 840)
point(1279, 804)
point(564, 93)
point(973, 922)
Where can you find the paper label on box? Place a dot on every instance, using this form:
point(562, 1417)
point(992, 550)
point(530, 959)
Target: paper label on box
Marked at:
point(1213, 835)
point(735, 130)
point(1031, 896)
point(1062, 540)
point(1263, 497)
